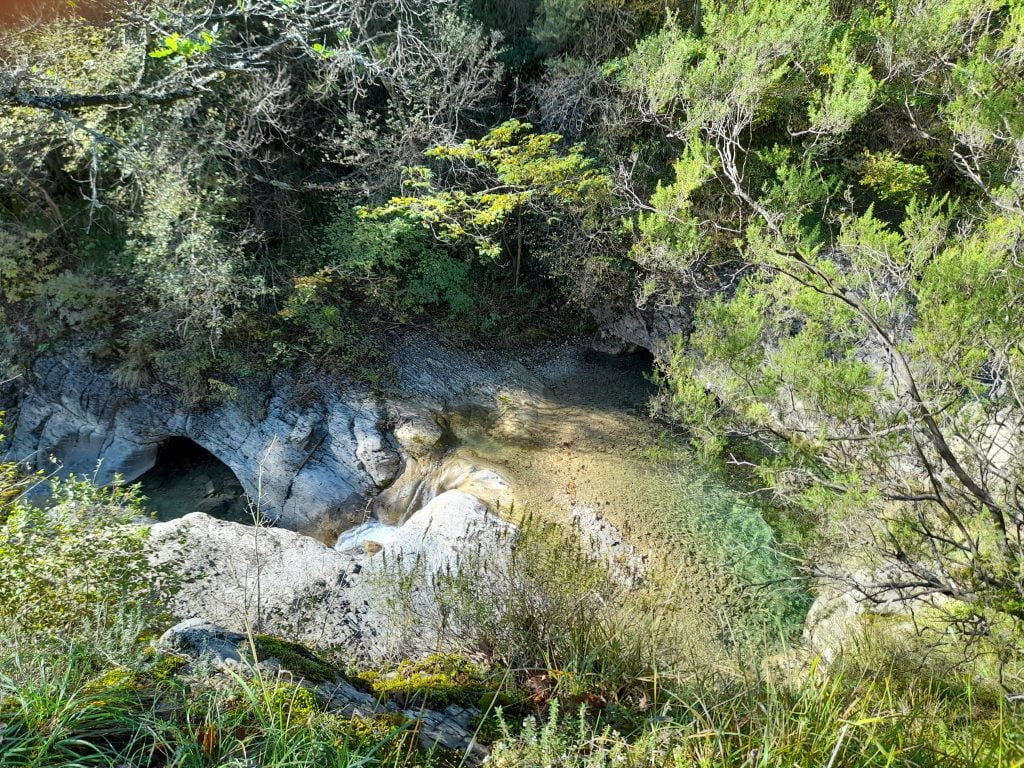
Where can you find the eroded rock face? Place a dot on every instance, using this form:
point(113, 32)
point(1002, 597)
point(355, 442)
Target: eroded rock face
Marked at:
point(313, 463)
point(627, 330)
point(291, 585)
point(310, 466)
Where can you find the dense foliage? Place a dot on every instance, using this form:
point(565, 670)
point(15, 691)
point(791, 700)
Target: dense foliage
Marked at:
point(858, 348)
point(78, 563)
point(197, 190)
point(180, 181)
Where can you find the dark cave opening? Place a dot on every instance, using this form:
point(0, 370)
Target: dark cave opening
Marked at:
point(188, 478)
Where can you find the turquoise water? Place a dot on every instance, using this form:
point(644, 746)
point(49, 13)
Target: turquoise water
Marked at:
point(590, 441)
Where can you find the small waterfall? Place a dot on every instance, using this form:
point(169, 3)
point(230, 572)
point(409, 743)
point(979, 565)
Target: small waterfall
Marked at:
point(422, 481)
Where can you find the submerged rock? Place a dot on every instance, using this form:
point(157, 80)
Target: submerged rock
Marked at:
point(609, 544)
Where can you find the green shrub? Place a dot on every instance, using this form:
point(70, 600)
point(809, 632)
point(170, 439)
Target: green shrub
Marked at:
point(395, 265)
point(78, 561)
point(892, 178)
point(836, 719)
point(13, 482)
point(554, 615)
point(24, 265)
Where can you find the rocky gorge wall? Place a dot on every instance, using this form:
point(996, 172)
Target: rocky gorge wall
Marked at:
point(313, 463)
point(340, 457)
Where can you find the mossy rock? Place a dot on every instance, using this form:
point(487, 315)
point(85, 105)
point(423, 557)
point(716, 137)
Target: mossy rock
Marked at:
point(113, 679)
point(373, 730)
point(437, 682)
point(296, 659)
point(167, 667)
point(393, 736)
point(294, 703)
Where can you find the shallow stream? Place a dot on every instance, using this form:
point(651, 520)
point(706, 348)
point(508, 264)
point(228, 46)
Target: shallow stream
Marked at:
point(592, 446)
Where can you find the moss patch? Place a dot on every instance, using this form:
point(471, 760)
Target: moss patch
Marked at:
point(113, 679)
point(293, 703)
point(437, 681)
point(167, 667)
point(296, 659)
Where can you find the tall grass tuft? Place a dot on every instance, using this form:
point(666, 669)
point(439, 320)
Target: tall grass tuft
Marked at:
point(835, 720)
point(58, 707)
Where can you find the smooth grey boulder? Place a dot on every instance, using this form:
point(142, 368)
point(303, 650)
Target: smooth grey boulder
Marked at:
point(202, 640)
point(273, 579)
point(288, 584)
point(452, 524)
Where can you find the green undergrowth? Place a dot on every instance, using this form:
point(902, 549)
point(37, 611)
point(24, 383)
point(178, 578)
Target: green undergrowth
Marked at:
point(836, 719)
point(442, 680)
point(87, 704)
point(68, 705)
point(435, 682)
point(570, 671)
